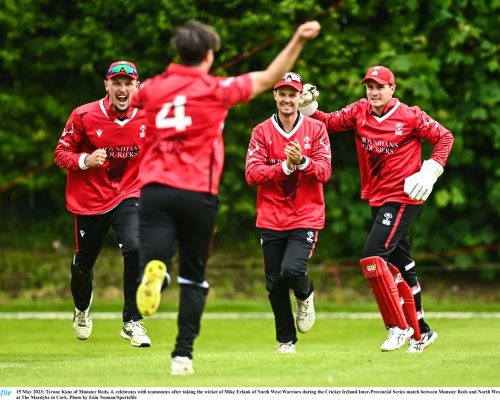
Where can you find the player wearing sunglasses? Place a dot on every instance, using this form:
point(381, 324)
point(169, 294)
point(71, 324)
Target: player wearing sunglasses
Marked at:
point(101, 147)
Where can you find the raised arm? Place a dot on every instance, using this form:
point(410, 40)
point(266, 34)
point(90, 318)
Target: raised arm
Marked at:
point(283, 62)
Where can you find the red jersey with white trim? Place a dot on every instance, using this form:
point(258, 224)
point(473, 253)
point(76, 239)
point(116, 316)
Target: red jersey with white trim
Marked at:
point(185, 110)
point(96, 126)
point(389, 147)
point(286, 202)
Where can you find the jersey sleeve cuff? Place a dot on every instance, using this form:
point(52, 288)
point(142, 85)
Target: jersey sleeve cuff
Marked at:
point(304, 166)
point(81, 161)
point(285, 168)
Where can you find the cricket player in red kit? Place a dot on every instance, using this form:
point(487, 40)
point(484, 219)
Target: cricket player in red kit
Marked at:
point(185, 109)
point(101, 147)
point(395, 182)
point(289, 158)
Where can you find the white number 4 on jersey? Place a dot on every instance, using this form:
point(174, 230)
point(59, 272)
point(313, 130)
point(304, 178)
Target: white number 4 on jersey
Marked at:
point(179, 121)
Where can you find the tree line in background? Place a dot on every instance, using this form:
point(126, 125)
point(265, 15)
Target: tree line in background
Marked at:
point(445, 56)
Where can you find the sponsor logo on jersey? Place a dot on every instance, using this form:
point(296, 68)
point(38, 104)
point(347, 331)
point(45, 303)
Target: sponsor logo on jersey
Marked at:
point(310, 236)
point(143, 131)
point(82, 233)
point(122, 151)
point(98, 132)
point(378, 146)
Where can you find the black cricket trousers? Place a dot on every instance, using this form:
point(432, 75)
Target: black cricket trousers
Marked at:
point(90, 232)
point(173, 218)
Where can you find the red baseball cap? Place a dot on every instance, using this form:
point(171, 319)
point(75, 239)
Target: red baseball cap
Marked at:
point(290, 79)
point(380, 74)
point(122, 68)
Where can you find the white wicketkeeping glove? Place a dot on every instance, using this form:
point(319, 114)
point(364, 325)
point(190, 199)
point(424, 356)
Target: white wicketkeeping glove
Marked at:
point(308, 103)
point(419, 185)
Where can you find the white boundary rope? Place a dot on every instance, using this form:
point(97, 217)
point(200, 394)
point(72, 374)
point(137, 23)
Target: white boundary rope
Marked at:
point(242, 315)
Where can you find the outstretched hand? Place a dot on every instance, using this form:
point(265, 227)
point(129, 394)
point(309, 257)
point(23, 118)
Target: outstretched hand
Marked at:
point(308, 30)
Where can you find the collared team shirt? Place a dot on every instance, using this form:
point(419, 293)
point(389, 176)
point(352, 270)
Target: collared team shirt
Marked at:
point(185, 111)
point(389, 147)
point(91, 191)
point(287, 200)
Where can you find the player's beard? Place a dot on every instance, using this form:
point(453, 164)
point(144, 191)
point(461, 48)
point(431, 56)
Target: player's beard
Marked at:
point(120, 106)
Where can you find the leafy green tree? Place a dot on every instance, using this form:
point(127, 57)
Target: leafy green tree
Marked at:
point(445, 56)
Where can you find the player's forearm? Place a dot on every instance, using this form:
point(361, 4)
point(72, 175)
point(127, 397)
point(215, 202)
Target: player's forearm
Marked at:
point(280, 65)
point(66, 158)
point(320, 170)
point(261, 174)
point(442, 148)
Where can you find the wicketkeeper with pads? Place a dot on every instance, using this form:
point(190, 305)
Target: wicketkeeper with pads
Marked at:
point(389, 136)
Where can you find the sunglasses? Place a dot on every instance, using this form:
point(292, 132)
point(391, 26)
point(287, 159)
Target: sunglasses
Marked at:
point(122, 68)
point(292, 76)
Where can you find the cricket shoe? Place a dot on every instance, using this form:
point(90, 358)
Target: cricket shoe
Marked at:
point(148, 295)
point(136, 333)
point(182, 366)
point(305, 314)
point(288, 347)
point(82, 323)
point(396, 338)
point(418, 346)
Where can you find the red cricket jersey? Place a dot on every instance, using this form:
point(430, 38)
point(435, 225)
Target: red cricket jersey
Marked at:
point(389, 147)
point(185, 111)
point(96, 126)
point(286, 202)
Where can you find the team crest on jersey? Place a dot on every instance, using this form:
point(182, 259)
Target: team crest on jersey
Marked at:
point(99, 132)
point(398, 129)
point(143, 131)
point(307, 142)
point(387, 218)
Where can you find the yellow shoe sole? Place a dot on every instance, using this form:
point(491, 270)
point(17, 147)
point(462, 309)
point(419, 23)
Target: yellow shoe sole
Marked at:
point(149, 291)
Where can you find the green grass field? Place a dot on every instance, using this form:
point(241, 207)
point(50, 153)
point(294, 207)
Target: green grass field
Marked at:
point(240, 353)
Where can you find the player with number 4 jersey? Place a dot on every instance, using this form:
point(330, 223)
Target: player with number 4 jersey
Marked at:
point(185, 109)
